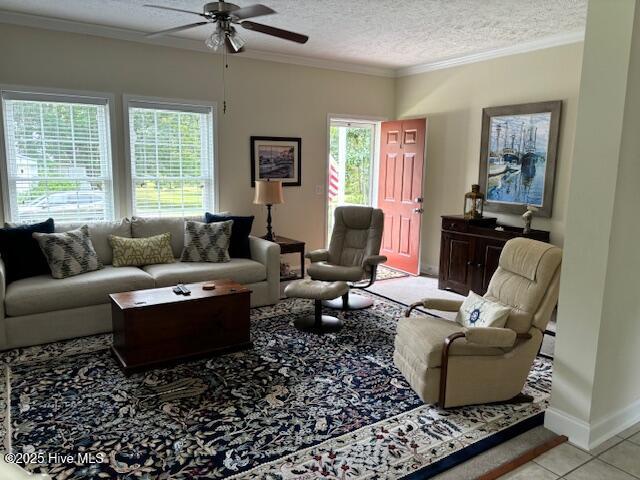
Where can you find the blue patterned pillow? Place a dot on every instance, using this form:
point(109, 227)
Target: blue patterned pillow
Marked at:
point(477, 311)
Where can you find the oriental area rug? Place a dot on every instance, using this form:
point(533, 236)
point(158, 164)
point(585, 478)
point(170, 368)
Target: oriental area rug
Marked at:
point(296, 406)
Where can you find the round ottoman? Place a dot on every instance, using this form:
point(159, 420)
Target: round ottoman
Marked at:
point(317, 291)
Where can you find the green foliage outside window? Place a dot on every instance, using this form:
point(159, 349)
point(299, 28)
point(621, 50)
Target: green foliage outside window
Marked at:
point(358, 163)
point(357, 182)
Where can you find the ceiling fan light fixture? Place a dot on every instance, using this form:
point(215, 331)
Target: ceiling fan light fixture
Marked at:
point(215, 41)
point(236, 41)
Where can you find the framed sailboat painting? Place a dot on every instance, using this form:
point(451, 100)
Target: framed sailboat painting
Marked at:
point(518, 151)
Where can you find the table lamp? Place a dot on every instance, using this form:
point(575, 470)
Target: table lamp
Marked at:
point(268, 192)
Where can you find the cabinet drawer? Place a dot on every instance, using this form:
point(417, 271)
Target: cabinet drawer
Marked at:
point(455, 225)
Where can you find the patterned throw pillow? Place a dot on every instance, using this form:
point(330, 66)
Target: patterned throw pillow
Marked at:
point(69, 253)
point(206, 242)
point(136, 252)
point(477, 311)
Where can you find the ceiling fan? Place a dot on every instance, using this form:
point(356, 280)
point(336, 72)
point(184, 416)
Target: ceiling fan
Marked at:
point(225, 15)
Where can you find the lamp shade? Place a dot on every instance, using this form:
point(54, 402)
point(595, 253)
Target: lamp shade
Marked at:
point(268, 192)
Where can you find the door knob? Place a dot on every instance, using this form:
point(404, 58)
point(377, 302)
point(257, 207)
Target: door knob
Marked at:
point(418, 210)
point(419, 200)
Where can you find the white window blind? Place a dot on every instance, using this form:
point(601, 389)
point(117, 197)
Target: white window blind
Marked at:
point(171, 151)
point(58, 157)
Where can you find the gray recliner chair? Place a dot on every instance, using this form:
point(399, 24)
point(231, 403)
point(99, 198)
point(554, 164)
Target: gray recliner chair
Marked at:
point(353, 255)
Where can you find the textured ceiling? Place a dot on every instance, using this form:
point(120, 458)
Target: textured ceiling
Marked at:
point(381, 33)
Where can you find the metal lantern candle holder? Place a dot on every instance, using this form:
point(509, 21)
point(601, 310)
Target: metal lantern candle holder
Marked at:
point(473, 203)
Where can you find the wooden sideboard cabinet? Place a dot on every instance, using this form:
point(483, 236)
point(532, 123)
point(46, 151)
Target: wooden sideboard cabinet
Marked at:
point(470, 250)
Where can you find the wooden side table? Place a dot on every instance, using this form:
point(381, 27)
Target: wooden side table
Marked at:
point(288, 245)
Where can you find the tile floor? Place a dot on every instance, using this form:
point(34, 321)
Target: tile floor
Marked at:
point(616, 459)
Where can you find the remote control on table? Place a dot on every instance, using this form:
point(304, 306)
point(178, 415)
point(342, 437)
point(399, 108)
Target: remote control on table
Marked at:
point(184, 290)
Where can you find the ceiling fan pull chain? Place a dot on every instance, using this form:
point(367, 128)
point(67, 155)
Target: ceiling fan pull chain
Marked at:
point(225, 65)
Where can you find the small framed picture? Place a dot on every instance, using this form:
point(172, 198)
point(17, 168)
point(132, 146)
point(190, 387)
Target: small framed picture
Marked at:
point(276, 158)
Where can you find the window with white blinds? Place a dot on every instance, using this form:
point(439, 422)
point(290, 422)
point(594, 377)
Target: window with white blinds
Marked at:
point(58, 157)
point(171, 155)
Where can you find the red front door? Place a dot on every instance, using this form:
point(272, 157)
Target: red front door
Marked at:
point(400, 191)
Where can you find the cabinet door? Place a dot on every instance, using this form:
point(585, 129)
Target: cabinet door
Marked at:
point(486, 262)
point(457, 254)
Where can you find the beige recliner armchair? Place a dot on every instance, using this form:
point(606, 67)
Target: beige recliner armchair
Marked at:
point(453, 366)
point(353, 254)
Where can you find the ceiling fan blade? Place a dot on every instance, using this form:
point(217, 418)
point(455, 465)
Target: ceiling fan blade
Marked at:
point(276, 32)
point(175, 10)
point(256, 10)
point(176, 29)
point(231, 48)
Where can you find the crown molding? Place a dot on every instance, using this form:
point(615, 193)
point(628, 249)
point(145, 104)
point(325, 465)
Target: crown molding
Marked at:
point(540, 44)
point(319, 63)
point(61, 25)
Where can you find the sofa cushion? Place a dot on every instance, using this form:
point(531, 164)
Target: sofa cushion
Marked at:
point(69, 253)
point(241, 270)
point(20, 251)
point(134, 252)
point(422, 338)
point(152, 226)
point(100, 232)
point(44, 294)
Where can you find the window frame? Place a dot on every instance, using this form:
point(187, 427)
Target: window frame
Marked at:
point(43, 94)
point(129, 101)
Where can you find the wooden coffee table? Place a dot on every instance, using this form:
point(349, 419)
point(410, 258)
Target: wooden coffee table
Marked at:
point(155, 327)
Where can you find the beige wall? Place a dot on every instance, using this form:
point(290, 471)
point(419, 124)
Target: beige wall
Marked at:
point(453, 99)
point(621, 309)
point(264, 98)
point(596, 387)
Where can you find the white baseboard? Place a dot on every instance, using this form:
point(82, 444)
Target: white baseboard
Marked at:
point(564, 424)
point(430, 270)
point(615, 423)
point(588, 436)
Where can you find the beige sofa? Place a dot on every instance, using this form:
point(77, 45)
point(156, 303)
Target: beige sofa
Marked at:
point(43, 309)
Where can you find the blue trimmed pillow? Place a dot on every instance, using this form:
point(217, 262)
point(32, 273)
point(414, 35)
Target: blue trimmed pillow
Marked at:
point(477, 311)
